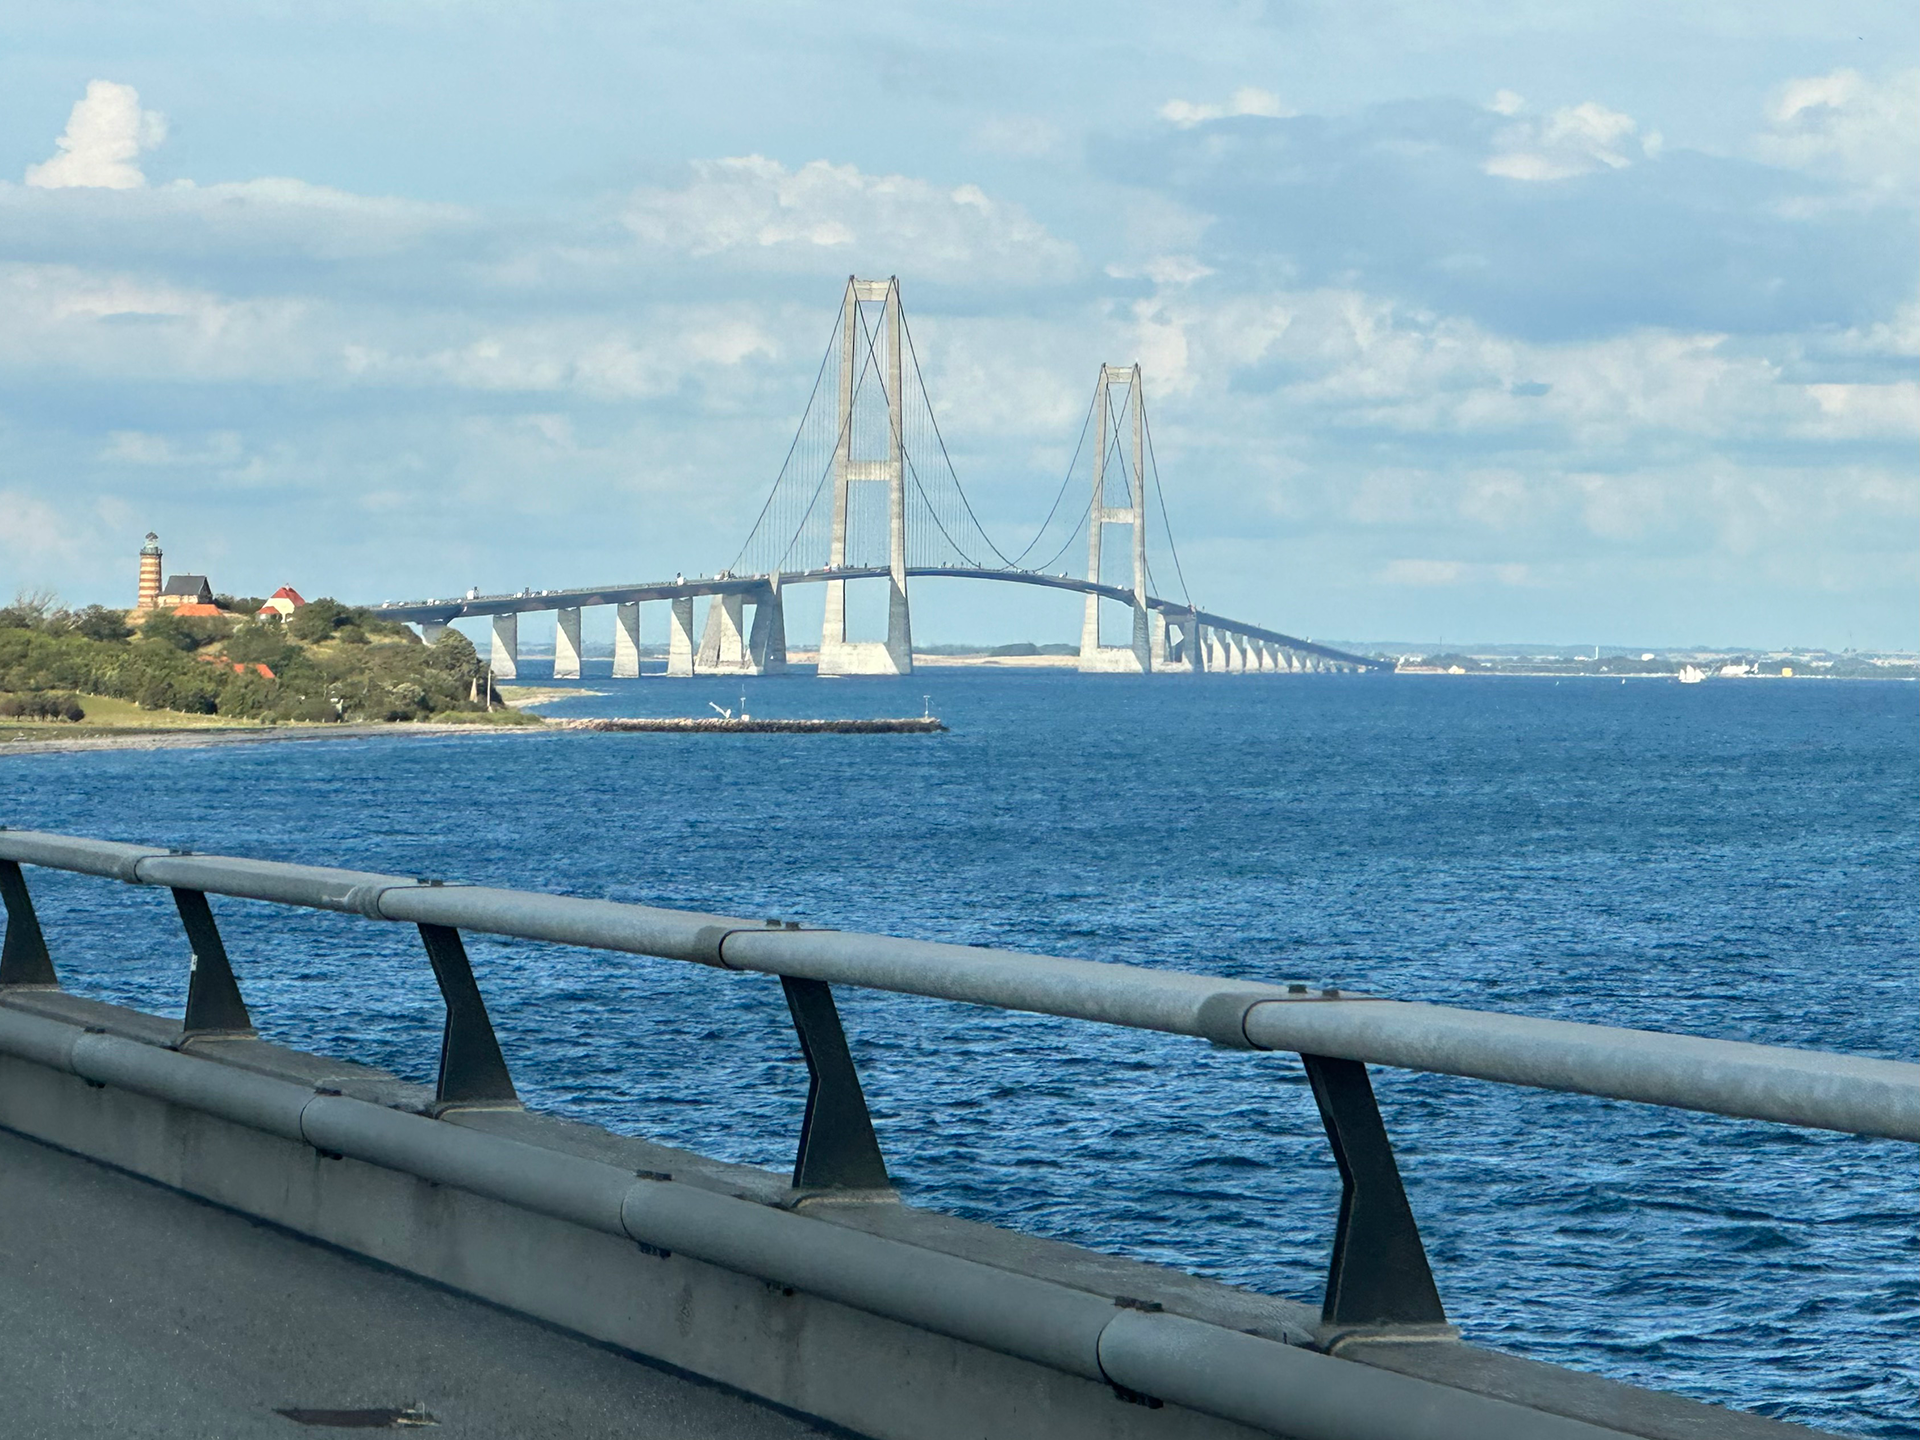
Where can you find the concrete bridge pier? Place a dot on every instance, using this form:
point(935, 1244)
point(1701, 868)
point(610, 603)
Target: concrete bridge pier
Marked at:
point(626, 641)
point(505, 656)
point(1213, 655)
point(722, 648)
point(432, 630)
point(1190, 653)
point(680, 638)
point(1157, 658)
point(767, 643)
point(566, 644)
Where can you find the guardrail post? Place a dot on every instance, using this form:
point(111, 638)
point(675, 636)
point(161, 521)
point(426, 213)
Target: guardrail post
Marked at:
point(214, 1006)
point(472, 1069)
point(1379, 1273)
point(838, 1150)
point(24, 960)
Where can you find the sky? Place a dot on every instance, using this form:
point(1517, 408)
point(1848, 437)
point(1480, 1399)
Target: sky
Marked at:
point(1559, 323)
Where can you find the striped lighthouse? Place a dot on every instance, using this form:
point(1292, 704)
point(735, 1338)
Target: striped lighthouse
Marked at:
point(150, 573)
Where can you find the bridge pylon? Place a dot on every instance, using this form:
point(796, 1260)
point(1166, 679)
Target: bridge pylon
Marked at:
point(1135, 658)
point(894, 655)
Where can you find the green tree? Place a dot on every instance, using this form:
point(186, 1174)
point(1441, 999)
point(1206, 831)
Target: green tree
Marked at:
point(97, 622)
point(30, 610)
point(261, 642)
point(163, 627)
point(453, 655)
point(248, 696)
point(315, 623)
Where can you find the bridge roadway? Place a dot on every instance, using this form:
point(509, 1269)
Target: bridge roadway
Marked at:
point(133, 1310)
point(440, 612)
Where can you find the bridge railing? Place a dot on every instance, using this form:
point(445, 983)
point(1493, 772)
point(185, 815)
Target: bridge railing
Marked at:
point(1379, 1275)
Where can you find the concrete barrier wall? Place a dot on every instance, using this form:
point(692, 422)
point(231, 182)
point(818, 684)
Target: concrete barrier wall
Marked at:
point(856, 1310)
point(872, 1375)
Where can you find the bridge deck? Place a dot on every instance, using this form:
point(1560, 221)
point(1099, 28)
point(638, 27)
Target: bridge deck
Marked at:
point(440, 612)
point(134, 1311)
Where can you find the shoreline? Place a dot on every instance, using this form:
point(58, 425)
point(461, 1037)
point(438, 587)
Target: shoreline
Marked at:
point(189, 738)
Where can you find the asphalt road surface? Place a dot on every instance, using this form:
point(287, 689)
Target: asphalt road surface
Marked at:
point(129, 1310)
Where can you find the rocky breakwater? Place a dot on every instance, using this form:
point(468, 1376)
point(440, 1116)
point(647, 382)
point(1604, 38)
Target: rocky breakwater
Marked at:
point(745, 725)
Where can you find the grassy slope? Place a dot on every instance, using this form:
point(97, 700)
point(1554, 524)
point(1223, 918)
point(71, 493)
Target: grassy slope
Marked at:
point(107, 714)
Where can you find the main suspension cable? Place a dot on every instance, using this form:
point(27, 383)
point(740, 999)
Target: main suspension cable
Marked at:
point(958, 487)
point(1160, 494)
point(843, 434)
point(1061, 493)
point(748, 544)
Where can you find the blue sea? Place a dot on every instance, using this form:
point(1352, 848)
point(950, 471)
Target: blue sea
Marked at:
point(1736, 859)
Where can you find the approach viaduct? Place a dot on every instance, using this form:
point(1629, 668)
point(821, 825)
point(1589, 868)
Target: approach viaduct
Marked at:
point(745, 627)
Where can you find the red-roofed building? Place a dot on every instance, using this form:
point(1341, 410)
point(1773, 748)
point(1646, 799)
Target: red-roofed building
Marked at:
point(281, 604)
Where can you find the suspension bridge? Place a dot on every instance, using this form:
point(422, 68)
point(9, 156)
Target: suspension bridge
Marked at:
point(868, 492)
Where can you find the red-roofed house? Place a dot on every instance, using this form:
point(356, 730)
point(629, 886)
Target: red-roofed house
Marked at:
point(281, 604)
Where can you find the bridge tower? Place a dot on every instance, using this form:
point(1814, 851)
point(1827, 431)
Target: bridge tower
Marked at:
point(894, 655)
point(1135, 658)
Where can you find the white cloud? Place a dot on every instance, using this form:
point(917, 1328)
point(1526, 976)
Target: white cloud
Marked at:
point(1507, 102)
point(1852, 412)
point(1451, 572)
point(1024, 137)
point(1163, 270)
point(34, 533)
point(1331, 363)
point(1248, 100)
point(1843, 126)
point(273, 218)
point(65, 318)
point(138, 447)
point(62, 318)
point(1007, 378)
point(102, 143)
point(1574, 140)
point(752, 209)
point(595, 359)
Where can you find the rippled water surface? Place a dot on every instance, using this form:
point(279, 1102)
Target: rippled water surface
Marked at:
point(1732, 859)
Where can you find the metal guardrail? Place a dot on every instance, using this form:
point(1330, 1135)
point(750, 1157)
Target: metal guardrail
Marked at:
point(1811, 1088)
point(1379, 1275)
